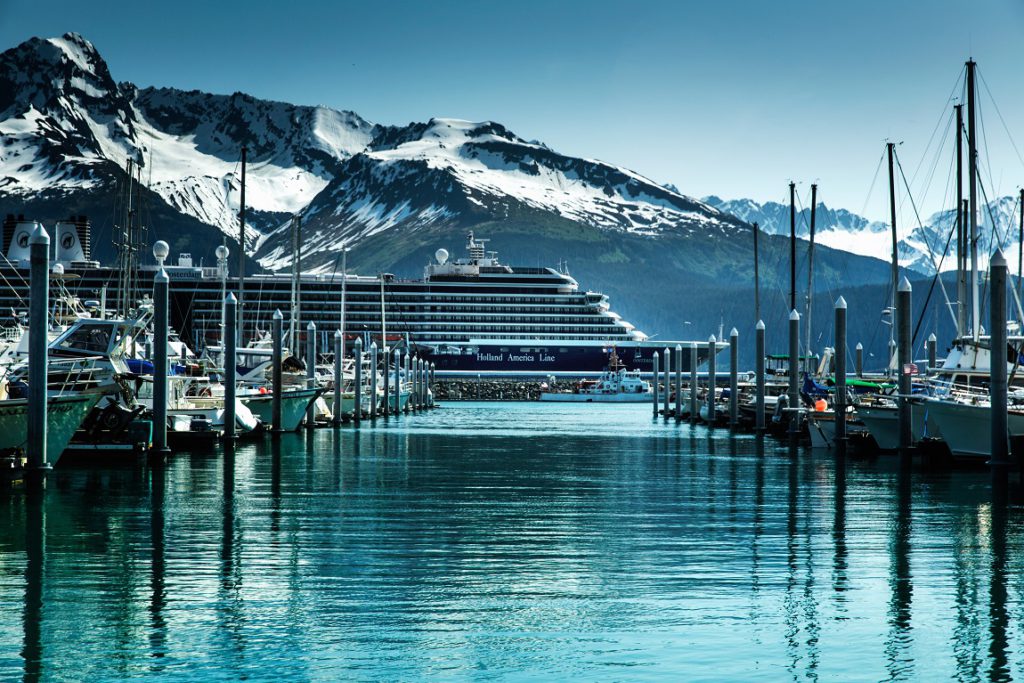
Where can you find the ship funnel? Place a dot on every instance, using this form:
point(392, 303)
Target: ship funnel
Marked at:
point(441, 255)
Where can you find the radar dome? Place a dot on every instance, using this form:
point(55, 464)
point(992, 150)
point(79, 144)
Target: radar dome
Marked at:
point(58, 269)
point(222, 252)
point(441, 255)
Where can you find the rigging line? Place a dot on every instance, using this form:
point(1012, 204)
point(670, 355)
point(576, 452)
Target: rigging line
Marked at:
point(871, 189)
point(1000, 115)
point(948, 111)
point(931, 252)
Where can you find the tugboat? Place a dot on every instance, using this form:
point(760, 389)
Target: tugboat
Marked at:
point(615, 385)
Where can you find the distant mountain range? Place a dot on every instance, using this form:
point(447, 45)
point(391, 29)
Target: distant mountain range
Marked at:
point(673, 264)
point(921, 247)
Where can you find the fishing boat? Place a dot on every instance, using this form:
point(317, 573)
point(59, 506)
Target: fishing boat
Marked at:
point(613, 386)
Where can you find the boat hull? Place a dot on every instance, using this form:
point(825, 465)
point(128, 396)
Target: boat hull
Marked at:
point(294, 403)
point(967, 429)
point(596, 398)
point(64, 414)
point(882, 422)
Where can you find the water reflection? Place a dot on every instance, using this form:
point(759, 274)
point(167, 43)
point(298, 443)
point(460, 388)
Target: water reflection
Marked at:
point(35, 556)
point(158, 566)
point(997, 612)
point(406, 552)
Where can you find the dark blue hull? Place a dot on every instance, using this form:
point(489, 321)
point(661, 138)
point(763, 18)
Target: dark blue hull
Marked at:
point(544, 358)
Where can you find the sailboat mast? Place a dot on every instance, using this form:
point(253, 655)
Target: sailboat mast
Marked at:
point(757, 277)
point(1020, 245)
point(344, 282)
point(383, 324)
point(972, 179)
point(810, 264)
point(792, 246)
point(891, 148)
point(961, 233)
point(241, 253)
point(296, 280)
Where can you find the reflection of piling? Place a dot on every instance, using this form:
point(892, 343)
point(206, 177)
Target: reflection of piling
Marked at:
point(161, 325)
point(903, 360)
point(759, 425)
point(230, 364)
point(734, 384)
point(679, 381)
point(339, 358)
point(38, 341)
point(668, 381)
point(794, 372)
point(997, 365)
point(311, 371)
point(277, 380)
point(712, 378)
point(859, 360)
point(694, 410)
point(840, 356)
point(656, 374)
point(357, 411)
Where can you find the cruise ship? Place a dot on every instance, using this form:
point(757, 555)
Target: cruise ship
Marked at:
point(469, 315)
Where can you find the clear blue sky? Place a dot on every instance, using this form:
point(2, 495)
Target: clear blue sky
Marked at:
point(731, 98)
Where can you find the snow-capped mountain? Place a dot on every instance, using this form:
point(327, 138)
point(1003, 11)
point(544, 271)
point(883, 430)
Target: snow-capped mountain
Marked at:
point(65, 123)
point(449, 172)
point(920, 247)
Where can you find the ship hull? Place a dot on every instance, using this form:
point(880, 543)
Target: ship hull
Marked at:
point(544, 358)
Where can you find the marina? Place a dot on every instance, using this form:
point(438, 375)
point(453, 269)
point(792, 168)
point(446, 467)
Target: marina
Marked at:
point(289, 394)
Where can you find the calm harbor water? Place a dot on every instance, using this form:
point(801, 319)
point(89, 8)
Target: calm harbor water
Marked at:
point(511, 541)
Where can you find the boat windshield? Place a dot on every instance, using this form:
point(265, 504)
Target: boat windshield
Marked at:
point(88, 337)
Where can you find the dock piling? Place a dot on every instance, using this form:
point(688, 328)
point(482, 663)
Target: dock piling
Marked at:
point(904, 358)
point(656, 374)
point(357, 411)
point(276, 378)
point(694, 361)
point(385, 377)
point(932, 342)
point(668, 382)
point(997, 382)
point(712, 378)
point(230, 364)
point(734, 384)
point(38, 341)
point(161, 331)
point(339, 381)
point(794, 372)
point(759, 424)
point(859, 360)
point(398, 382)
point(311, 371)
point(373, 380)
point(679, 382)
point(840, 357)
